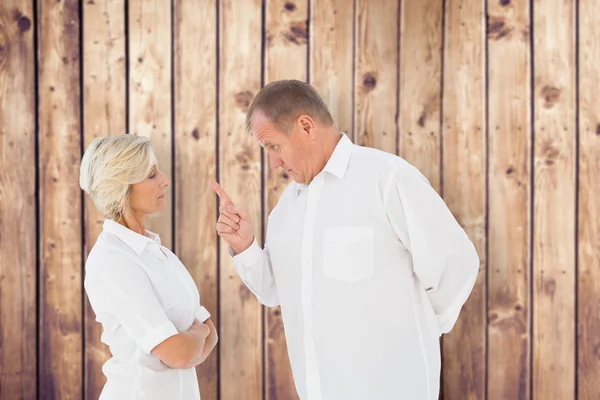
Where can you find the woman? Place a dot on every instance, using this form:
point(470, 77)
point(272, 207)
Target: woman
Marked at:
point(143, 296)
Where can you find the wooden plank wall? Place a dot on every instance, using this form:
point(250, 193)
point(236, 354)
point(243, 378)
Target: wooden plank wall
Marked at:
point(495, 101)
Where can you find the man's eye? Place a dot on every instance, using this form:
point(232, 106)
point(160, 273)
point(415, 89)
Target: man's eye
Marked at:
point(275, 147)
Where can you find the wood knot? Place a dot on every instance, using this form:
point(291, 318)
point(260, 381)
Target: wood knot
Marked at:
point(504, 3)
point(551, 95)
point(245, 157)
point(245, 294)
point(243, 100)
point(550, 287)
point(289, 6)
point(297, 34)
point(369, 82)
point(24, 23)
point(497, 28)
point(598, 129)
point(277, 313)
point(421, 120)
point(550, 153)
point(510, 170)
point(195, 134)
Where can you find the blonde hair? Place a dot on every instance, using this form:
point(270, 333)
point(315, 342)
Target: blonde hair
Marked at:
point(110, 165)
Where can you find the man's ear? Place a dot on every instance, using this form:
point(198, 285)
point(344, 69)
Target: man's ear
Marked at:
point(307, 124)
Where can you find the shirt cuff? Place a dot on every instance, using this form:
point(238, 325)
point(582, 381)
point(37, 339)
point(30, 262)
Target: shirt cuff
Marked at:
point(249, 256)
point(157, 335)
point(202, 314)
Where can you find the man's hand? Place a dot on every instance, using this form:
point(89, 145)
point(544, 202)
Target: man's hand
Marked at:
point(234, 223)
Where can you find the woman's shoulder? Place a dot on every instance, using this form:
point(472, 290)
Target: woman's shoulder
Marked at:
point(109, 250)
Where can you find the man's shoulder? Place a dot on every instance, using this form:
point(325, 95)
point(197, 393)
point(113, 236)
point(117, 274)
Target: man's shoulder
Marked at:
point(377, 161)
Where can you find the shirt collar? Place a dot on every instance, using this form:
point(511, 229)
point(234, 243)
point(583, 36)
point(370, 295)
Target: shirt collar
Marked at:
point(338, 162)
point(133, 239)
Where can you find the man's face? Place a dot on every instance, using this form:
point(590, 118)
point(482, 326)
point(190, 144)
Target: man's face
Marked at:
point(290, 151)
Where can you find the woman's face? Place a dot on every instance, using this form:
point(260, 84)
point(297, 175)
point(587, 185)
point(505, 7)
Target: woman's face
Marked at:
point(148, 196)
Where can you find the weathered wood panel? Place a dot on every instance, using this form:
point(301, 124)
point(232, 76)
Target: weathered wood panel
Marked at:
point(464, 187)
point(376, 74)
point(150, 93)
point(104, 114)
point(509, 177)
point(420, 86)
point(286, 53)
point(18, 223)
point(60, 346)
point(331, 47)
point(195, 99)
point(554, 200)
point(588, 368)
point(241, 347)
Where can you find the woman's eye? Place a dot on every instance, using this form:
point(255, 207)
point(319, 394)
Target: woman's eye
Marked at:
point(152, 176)
point(275, 147)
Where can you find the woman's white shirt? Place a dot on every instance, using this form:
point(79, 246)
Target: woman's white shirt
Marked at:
point(142, 294)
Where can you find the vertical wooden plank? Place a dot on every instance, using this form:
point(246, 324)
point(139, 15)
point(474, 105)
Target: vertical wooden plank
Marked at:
point(331, 57)
point(464, 187)
point(104, 114)
point(241, 350)
point(421, 85)
point(376, 74)
point(195, 91)
point(286, 53)
point(17, 202)
point(150, 91)
point(588, 368)
point(60, 201)
point(554, 200)
point(509, 200)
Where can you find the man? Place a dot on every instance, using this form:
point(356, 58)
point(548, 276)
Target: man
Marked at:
point(367, 262)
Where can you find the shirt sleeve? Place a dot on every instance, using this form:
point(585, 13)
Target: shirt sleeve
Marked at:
point(444, 258)
point(122, 289)
point(253, 265)
point(202, 314)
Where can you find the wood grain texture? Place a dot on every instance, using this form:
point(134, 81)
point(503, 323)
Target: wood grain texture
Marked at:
point(60, 345)
point(464, 187)
point(241, 346)
point(376, 74)
point(18, 223)
point(150, 92)
point(330, 58)
point(509, 98)
point(554, 201)
point(420, 86)
point(588, 368)
point(104, 114)
point(286, 53)
point(195, 91)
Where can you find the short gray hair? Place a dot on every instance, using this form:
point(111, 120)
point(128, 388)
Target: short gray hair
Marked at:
point(284, 100)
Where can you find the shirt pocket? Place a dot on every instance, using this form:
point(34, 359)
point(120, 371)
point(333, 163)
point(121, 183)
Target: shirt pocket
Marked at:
point(348, 253)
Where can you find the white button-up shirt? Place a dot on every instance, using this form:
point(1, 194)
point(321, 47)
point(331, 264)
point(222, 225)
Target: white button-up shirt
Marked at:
point(370, 268)
point(141, 294)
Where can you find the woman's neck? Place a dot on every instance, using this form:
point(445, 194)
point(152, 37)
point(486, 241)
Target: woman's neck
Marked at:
point(135, 223)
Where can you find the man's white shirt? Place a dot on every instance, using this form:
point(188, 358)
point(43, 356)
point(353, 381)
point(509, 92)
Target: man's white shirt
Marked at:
point(370, 268)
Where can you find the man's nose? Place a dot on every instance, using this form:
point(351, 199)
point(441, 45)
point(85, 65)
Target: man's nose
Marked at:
point(274, 161)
